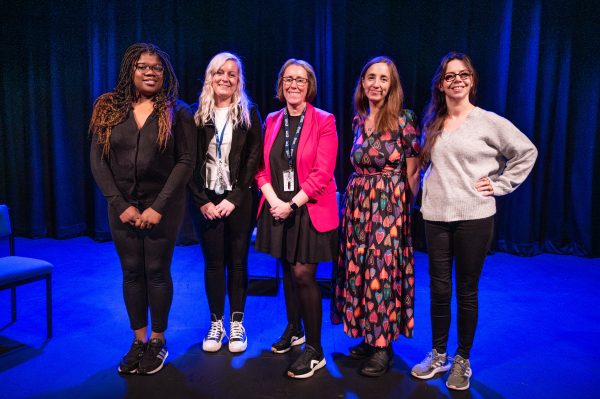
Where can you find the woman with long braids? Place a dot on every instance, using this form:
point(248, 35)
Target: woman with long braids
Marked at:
point(229, 147)
point(471, 155)
point(142, 156)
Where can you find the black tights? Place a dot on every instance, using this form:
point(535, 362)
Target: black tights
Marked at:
point(303, 300)
point(468, 242)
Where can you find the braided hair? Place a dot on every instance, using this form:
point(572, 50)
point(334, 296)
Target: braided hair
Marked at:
point(112, 108)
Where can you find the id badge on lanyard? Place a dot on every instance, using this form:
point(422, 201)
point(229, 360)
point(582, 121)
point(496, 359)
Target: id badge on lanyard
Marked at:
point(220, 186)
point(288, 174)
point(288, 180)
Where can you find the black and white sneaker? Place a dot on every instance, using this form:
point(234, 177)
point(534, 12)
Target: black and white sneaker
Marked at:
point(292, 336)
point(154, 357)
point(216, 333)
point(238, 341)
point(130, 362)
point(305, 366)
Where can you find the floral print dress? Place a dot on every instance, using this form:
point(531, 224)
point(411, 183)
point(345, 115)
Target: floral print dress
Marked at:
point(374, 290)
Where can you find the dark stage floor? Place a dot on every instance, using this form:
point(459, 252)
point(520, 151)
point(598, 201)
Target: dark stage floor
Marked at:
point(537, 338)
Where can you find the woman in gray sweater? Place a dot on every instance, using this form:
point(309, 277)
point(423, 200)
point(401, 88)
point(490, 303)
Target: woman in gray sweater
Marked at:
point(470, 155)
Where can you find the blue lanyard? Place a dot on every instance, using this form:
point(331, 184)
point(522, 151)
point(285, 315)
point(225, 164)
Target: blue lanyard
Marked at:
point(286, 125)
point(219, 138)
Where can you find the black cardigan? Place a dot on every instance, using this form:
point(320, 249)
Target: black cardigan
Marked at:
point(137, 172)
point(244, 158)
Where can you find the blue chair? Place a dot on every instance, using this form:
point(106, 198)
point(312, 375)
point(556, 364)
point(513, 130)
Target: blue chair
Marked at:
point(17, 270)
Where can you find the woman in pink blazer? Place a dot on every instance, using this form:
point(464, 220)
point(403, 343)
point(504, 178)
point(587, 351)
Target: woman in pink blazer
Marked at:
point(297, 214)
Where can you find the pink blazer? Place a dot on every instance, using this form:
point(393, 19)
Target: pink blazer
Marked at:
point(315, 162)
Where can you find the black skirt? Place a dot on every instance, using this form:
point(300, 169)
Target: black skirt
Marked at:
point(295, 240)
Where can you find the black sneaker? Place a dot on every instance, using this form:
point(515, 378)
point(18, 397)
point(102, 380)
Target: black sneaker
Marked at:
point(131, 361)
point(292, 336)
point(305, 366)
point(154, 357)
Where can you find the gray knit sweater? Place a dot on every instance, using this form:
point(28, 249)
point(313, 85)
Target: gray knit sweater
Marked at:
point(486, 144)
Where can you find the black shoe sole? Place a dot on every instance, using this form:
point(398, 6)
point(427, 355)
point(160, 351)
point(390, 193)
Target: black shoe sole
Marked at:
point(376, 374)
point(134, 371)
point(297, 342)
point(369, 374)
point(309, 374)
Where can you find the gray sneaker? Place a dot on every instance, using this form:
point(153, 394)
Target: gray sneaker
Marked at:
point(434, 363)
point(460, 374)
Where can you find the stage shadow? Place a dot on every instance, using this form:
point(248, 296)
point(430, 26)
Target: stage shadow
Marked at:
point(108, 383)
point(396, 383)
point(14, 353)
point(258, 374)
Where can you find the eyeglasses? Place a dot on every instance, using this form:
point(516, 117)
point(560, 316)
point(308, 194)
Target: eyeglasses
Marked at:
point(158, 69)
point(450, 77)
point(300, 82)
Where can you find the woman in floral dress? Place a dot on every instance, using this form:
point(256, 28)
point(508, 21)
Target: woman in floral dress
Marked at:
point(375, 276)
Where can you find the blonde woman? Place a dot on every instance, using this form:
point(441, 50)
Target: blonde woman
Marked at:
point(229, 150)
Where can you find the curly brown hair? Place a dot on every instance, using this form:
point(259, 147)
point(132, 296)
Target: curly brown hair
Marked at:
point(112, 108)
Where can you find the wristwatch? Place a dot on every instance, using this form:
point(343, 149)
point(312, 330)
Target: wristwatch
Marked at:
point(293, 205)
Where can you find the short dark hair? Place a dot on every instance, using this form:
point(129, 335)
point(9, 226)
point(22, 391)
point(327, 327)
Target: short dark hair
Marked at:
point(311, 92)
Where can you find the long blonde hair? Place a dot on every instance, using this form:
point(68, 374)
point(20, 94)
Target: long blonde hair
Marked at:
point(239, 108)
point(387, 118)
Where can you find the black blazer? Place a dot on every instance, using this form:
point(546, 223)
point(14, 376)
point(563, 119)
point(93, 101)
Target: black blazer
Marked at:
point(244, 157)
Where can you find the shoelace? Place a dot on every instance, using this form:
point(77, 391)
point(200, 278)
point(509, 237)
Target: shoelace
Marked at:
point(237, 330)
point(459, 368)
point(154, 350)
point(215, 330)
point(428, 361)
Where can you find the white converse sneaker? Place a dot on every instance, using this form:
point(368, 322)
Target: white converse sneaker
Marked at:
point(238, 341)
point(215, 335)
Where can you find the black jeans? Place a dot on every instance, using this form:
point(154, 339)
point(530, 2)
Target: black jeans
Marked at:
point(225, 244)
point(146, 263)
point(467, 242)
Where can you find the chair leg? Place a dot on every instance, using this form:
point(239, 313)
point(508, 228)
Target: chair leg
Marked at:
point(49, 306)
point(13, 303)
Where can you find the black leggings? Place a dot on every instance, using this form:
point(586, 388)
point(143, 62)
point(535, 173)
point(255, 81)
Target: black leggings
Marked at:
point(467, 241)
point(303, 300)
point(225, 244)
point(146, 263)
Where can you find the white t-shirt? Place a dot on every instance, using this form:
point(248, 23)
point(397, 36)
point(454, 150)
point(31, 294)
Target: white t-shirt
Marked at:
point(212, 163)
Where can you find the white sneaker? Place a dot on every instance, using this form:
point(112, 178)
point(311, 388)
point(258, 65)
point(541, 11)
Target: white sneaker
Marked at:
point(238, 341)
point(433, 363)
point(215, 335)
point(460, 374)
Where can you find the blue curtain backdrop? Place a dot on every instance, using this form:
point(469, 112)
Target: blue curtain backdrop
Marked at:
point(538, 62)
